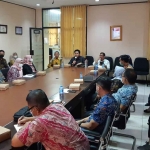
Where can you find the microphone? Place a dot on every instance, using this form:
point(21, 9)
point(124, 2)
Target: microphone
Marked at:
point(75, 58)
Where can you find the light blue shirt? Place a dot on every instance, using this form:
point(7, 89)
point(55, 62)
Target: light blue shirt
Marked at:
point(124, 94)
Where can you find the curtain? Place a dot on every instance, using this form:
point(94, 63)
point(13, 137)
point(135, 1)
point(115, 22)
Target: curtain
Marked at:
point(148, 51)
point(80, 29)
point(66, 31)
point(73, 30)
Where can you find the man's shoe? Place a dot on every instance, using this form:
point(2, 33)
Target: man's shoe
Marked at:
point(144, 147)
point(147, 111)
point(147, 104)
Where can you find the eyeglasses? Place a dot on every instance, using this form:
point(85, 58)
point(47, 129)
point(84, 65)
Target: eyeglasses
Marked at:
point(28, 110)
point(76, 53)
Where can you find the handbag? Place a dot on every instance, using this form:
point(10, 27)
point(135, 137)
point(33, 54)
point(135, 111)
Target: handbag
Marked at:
point(22, 112)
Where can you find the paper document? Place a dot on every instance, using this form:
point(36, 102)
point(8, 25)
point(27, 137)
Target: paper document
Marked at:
point(28, 76)
point(17, 127)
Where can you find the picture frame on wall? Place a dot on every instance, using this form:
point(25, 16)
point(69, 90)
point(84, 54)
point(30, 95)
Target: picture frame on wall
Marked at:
point(18, 30)
point(116, 33)
point(3, 29)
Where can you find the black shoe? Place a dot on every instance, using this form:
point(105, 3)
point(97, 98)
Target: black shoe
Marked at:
point(147, 104)
point(144, 147)
point(147, 111)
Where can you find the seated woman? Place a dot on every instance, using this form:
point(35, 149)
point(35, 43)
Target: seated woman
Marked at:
point(51, 124)
point(15, 71)
point(13, 58)
point(2, 78)
point(28, 66)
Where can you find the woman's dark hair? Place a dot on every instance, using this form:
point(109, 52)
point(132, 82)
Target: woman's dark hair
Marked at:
point(77, 50)
point(104, 82)
point(130, 75)
point(38, 98)
point(102, 53)
point(125, 58)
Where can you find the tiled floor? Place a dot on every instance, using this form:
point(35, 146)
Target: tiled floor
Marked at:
point(136, 125)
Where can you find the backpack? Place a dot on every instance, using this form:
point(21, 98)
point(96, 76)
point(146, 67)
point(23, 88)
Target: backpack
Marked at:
point(22, 112)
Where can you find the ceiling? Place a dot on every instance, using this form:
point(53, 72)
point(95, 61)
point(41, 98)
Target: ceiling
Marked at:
point(58, 3)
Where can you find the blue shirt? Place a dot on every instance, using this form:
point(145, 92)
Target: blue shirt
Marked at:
point(105, 107)
point(124, 94)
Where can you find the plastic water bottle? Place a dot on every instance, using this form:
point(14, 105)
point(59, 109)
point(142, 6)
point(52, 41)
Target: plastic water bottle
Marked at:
point(62, 64)
point(86, 63)
point(81, 75)
point(96, 66)
point(61, 90)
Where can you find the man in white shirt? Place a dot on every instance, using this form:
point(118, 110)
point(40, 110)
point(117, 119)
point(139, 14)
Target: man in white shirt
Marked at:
point(102, 62)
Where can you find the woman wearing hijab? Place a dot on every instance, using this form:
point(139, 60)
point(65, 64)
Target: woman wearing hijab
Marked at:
point(2, 78)
point(28, 67)
point(15, 71)
point(13, 58)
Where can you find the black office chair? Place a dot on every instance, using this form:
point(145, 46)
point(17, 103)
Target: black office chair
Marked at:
point(100, 141)
point(141, 67)
point(90, 60)
point(121, 121)
point(4, 72)
point(111, 63)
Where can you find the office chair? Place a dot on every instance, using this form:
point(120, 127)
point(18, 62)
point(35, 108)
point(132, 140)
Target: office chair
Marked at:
point(111, 63)
point(141, 67)
point(4, 72)
point(90, 60)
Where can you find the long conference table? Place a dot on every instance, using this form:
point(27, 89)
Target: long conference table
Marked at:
point(15, 97)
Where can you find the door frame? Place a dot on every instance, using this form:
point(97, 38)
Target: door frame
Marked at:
point(31, 50)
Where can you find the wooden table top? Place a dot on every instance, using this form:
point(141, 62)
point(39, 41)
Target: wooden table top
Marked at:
point(14, 98)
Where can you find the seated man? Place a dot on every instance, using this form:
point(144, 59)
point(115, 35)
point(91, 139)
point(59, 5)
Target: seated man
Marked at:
point(129, 88)
point(77, 60)
point(105, 107)
point(51, 124)
point(102, 62)
point(124, 61)
point(55, 60)
point(3, 62)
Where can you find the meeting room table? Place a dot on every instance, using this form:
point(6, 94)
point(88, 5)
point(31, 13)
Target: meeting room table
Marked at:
point(14, 98)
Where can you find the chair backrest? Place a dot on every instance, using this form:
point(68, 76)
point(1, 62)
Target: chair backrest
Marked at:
point(110, 61)
point(4, 72)
point(90, 60)
point(141, 64)
point(122, 117)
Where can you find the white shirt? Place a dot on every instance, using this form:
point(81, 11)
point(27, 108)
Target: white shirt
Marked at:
point(118, 72)
point(106, 63)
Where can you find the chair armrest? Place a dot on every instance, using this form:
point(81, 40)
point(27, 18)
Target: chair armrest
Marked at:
point(89, 132)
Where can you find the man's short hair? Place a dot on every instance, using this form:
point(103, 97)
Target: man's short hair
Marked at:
point(56, 52)
point(130, 75)
point(2, 51)
point(104, 82)
point(77, 50)
point(125, 58)
point(102, 53)
point(38, 98)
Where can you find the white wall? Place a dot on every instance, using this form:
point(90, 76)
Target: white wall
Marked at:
point(133, 17)
point(14, 15)
point(38, 18)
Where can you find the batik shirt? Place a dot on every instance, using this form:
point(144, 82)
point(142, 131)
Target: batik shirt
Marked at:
point(2, 78)
point(105, 107)
point(3, 63)
point(124, 94)
point(54, 62)
point(56, 129)
point(12, 74)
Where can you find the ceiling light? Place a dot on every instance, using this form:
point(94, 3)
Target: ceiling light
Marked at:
point(96, 0)
point(37, 4)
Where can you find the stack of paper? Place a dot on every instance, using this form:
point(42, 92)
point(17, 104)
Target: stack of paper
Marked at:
point(17, 127)
point(29, 76)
